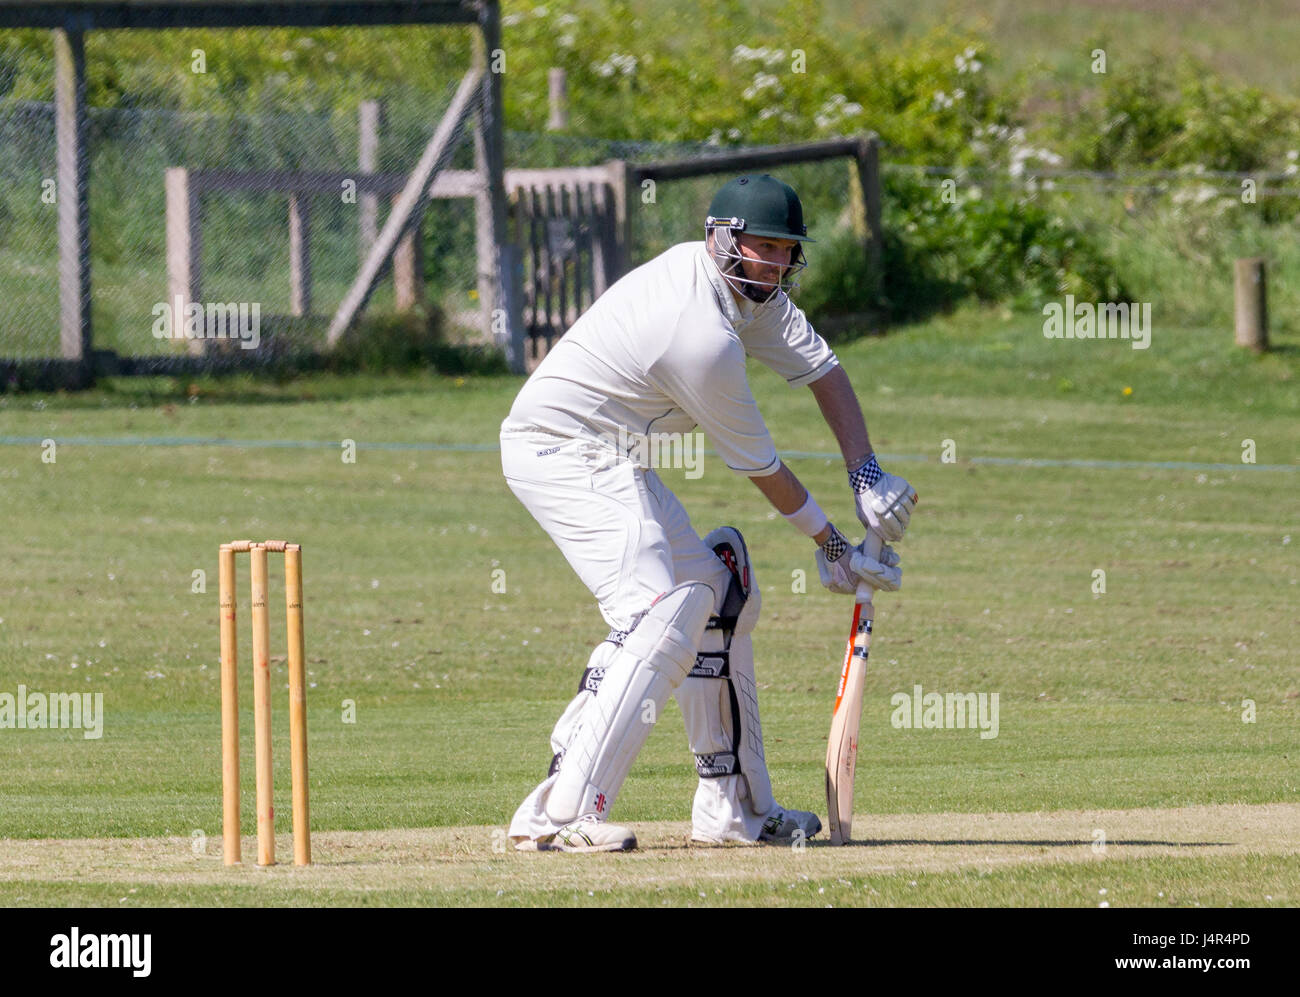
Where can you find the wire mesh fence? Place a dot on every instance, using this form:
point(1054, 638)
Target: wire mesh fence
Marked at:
point(246, 251)
point(244, 255)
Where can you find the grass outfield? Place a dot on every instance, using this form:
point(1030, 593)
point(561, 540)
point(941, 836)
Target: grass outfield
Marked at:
point(1122, 712)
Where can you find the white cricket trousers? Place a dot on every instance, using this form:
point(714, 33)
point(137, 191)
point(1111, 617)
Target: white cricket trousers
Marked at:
point(628, 538)
point(619, 527)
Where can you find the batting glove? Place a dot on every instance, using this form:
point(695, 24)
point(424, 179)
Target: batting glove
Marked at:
point(843, 568)
point(885, 501)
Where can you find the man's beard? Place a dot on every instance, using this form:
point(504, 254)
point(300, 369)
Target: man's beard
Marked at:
point(757, 293)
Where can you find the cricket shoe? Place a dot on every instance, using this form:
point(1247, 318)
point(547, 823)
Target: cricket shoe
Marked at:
point(783, 826)
point(591, 834)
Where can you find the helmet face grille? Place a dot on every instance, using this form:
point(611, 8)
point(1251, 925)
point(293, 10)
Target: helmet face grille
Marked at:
point(725, 251)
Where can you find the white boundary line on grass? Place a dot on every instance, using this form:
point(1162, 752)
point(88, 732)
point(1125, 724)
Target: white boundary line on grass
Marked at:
point(221, 441)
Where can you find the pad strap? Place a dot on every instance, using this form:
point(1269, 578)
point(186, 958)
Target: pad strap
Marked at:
point(721, 763)
point(591, 679)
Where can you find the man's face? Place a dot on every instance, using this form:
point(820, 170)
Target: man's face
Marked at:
point(766, 257)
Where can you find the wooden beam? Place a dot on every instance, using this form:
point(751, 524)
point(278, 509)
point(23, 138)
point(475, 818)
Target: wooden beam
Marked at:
point(448, 183)
point(410, 205)
point(297, 181)
point(485, 254)
point(621, 177)
point(90, 16)
point(743, 160)
point(72, 172)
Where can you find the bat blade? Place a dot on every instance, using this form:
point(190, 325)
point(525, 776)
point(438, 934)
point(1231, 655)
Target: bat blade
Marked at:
point(842, 746)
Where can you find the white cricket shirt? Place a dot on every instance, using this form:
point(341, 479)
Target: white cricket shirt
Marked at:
point(662, 351)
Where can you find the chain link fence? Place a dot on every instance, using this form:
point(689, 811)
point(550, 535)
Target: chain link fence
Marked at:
point(244, 255)
point(247, 233)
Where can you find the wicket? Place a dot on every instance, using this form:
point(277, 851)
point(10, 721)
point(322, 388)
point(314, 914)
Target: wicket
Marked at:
point(262, 701)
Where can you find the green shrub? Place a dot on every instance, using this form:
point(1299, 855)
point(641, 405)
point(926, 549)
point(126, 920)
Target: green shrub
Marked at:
point(989, 245)
point(838, 280)
point(1159, 115)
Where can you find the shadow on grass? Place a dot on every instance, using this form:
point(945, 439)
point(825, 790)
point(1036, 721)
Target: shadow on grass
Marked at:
point(1033, 843)
point(386, 356)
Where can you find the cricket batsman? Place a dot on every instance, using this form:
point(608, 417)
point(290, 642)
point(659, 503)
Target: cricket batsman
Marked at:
point(661, 352)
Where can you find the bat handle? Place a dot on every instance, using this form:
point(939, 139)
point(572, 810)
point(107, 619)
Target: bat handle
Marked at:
point(871, 546)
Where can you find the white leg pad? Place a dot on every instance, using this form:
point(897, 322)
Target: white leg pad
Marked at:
point(734, 795)
point(719, 701)
point(566, 728)
point(530, 820)
point(652, 662)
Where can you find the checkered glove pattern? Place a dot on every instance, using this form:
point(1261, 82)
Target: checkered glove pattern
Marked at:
point(884, 500)
point(866, 476)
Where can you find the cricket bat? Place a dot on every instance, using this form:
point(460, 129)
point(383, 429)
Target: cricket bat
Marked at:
point(842, 748)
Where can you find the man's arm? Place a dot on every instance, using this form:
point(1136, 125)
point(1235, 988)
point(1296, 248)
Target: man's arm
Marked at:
point(840, 409)
point(884, 501)
point(787, 495)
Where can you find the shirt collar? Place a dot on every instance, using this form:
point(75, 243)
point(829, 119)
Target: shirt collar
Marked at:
point(720, 287)
point(737, 314)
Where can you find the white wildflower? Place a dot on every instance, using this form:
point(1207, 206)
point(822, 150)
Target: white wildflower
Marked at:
point(616, 63)
point(762, 81)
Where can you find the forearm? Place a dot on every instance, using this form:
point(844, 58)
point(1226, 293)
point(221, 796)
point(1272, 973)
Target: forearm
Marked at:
point(843, 414)
point(787, 495)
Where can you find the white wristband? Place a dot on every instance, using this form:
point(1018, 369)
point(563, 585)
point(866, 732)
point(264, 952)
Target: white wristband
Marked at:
point(808, 519)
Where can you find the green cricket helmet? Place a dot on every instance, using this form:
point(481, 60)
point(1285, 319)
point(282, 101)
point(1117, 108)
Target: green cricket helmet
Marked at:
point(757, 205)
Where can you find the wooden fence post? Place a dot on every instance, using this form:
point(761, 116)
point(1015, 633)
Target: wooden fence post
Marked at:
point(184, 248)
point(72, 169)
point(867, 226)
point(408, 270)
point(299, 254)
point(489, 123)
point(557, 83)
point(1251, 312)
point(485, 256)
point(622, 182)
point(369, 115)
